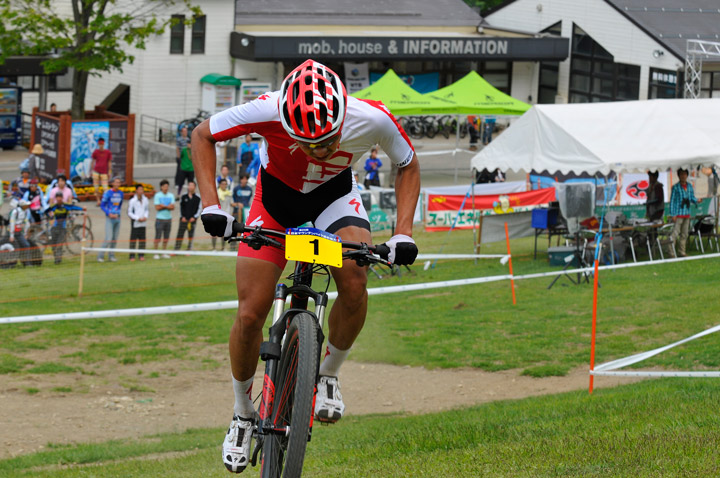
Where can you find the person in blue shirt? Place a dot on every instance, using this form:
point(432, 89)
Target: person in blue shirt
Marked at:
point(59, 211)
point(681, 196)
point(241, 196)
point(111, 204)
point(164, 202)
point(248, 152)
point(372, 167)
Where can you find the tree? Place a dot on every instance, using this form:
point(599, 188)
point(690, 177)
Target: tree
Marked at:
point(91, 36)
point(483, 5)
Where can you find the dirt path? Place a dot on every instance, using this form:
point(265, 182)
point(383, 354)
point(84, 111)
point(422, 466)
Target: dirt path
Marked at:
point(108, 405)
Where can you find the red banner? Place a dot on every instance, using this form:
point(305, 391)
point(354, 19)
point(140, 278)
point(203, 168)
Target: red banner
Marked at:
point(442, 210)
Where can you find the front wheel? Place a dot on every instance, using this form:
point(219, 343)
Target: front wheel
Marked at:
point(75, 236)
point(283, 455)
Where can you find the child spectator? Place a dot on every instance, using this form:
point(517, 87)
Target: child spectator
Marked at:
point(111, 205)
point(19, 225)
point(242, 195)
point(138, 212)
point(372, 167)
point(190, 209)
point(164, 205)
point(59, 211)
point(35, 197)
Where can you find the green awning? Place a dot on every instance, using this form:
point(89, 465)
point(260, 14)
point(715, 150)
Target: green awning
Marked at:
point(401, 99)
point(473, 95)
point(218, 79)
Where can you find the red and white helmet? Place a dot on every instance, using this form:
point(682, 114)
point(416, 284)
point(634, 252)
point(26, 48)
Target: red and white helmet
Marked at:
point(312, 103)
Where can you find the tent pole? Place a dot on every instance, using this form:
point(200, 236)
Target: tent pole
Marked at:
point(457, 145)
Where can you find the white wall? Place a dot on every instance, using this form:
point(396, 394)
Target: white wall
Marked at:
point(618, 35)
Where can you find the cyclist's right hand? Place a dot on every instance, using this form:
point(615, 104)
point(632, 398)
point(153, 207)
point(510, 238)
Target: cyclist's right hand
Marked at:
point(217, 222)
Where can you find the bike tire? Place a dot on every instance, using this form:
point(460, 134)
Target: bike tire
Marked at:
point(74, 239)
point(283, 456)
point(415, 130)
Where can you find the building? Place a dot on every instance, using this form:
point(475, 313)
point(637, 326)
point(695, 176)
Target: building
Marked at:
point(620, 50)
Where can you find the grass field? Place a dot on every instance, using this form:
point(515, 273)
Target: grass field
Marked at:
point(656, 428)
point(617, 432)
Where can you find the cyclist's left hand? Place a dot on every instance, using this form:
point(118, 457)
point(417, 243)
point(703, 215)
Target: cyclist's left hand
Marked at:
point(403, 250)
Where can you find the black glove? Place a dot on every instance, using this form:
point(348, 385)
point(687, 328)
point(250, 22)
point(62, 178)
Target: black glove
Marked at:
point(217, 222)
point(403, 250)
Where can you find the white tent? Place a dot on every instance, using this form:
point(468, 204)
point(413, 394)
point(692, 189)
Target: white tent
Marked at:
point(602, 137)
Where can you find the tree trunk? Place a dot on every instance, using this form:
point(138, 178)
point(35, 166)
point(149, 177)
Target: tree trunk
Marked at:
point(80, 80)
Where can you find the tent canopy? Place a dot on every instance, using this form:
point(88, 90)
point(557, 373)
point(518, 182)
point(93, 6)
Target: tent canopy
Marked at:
point(473, 95)
point(623, 136)
point(401, 99)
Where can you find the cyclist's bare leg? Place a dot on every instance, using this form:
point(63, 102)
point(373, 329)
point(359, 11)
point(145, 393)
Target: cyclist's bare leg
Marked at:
point(256, 281)
point(347, 315)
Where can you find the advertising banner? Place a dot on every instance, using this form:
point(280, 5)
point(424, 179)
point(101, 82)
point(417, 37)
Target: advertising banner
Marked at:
point(252, 89)
point(47, 133)
point(118, 148)
point(83, 141)
point(356, 77)
point(635, 185)
point(442, 210)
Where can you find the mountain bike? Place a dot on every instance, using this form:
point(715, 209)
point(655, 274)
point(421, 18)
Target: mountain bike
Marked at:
point(292, 351)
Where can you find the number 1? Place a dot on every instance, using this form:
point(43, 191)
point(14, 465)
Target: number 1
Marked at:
point(316, 244)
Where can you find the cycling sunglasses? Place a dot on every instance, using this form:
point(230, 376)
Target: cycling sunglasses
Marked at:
point(325, 144)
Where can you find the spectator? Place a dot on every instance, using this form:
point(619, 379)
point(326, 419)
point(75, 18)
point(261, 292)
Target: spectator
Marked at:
point(37, 202)
point(472, 122)
point(681, 197)
point(138, 212)
point(35, 161)
point(53, 107)
point(225, 197)
point(185, 169)
point(372, 166)
point(164, 205)
point(101, 169)
point(655, 203)
point(19, 225)
point(248, 152)
point(60, 212)
point(53, 183)
point(241, 197)
point(111, 205)
point(23, 182)
point(488, 130)
point(224, 174)
point(61, 187)
point(190, 209)
point(359, 185)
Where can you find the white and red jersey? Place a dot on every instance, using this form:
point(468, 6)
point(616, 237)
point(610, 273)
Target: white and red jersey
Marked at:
point(367, 123)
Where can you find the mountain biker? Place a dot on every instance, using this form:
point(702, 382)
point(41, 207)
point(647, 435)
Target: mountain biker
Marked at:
point(315, 133)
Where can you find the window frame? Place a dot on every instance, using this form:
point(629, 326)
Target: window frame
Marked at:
point(177, 34)
point(198, 34)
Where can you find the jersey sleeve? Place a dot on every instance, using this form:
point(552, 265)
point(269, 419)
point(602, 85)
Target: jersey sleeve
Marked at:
point(391, 136)
point(252, 117)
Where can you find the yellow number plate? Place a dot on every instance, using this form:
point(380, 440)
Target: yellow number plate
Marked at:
point(308, 244)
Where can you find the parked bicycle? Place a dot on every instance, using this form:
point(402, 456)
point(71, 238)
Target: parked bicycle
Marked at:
point(292, 351)
point(191, 123)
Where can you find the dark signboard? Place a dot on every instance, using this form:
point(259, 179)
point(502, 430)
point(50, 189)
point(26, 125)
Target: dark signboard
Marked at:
point(118, 148)
point(276, 48)
point(47, 133)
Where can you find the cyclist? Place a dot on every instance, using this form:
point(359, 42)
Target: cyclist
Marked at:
point(315, 133)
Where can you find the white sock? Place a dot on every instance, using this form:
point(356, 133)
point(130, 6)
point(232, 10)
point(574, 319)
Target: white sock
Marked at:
point(243, 401)
point(334, 358)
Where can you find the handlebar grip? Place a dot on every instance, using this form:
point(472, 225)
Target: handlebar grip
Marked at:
point(238, 227)
point(382, 250)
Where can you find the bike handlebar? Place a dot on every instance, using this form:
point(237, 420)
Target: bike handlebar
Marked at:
point(265, 238)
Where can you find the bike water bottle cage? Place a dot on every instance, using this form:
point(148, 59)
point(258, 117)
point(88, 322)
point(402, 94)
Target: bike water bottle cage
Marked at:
point(312, 103)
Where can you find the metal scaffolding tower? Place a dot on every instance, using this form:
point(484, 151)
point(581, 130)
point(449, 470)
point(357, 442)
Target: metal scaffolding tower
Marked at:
point(697, 51)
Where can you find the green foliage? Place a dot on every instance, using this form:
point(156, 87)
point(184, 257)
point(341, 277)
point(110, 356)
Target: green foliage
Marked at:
point(484, 5)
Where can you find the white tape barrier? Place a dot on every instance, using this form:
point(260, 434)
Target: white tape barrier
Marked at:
point(374, 291)
point(173, 252)
point(657, 374)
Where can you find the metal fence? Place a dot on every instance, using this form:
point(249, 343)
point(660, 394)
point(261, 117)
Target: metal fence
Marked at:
point(158, 129)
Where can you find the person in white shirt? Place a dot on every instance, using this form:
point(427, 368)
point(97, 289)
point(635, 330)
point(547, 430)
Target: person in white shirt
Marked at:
point(138, 211)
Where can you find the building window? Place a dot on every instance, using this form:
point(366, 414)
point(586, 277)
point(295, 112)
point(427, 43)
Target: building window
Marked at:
point(710, 84)
point(594, 75)
point(549, 72)
point(177, 34)
point(663, 84)
point(197, 44)
point(32, 83)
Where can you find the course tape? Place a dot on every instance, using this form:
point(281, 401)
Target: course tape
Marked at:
point(374, 291)
point(420, 257)
point(641, 373)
